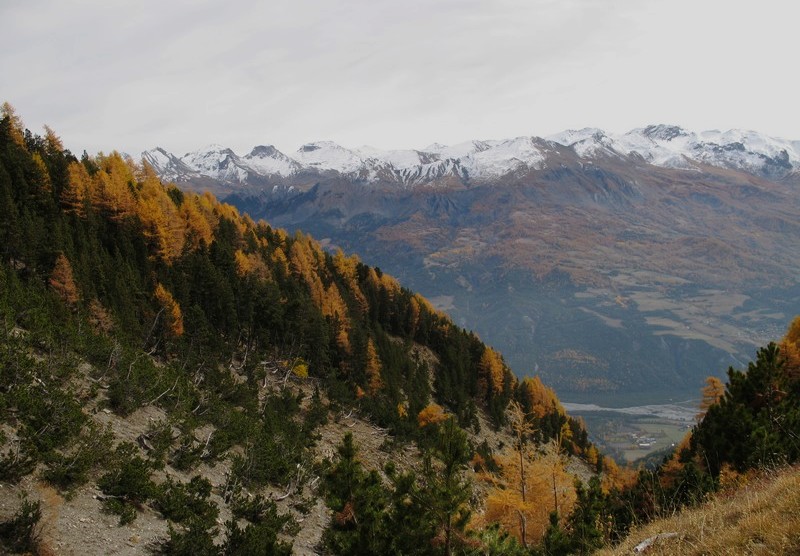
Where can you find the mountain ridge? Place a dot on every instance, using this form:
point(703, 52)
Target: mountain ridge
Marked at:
point(485, 160)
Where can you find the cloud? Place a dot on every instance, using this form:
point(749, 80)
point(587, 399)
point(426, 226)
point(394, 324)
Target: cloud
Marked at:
point(132, 74)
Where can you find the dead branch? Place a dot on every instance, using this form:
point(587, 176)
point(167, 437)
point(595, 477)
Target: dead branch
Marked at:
point(648, 542)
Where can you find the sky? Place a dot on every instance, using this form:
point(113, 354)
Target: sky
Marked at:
point(181, 74)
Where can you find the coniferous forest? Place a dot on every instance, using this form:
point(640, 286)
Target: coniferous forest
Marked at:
point(120, 293)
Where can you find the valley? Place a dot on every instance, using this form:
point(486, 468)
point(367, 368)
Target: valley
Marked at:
point(623, 270)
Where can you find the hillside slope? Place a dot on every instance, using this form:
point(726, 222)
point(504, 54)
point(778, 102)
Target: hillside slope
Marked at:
point(191, 375)
point(630, 265)
point(760, 517)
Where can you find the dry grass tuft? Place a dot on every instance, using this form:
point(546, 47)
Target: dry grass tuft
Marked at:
point(762, 517)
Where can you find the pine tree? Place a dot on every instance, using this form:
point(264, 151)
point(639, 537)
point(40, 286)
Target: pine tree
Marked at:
point(445, 490)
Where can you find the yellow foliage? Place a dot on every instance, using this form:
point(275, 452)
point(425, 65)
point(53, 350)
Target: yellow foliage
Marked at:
point(525, 491)
point(280, 261)
point(347, 267)
point(77, 188)
point(431, 415)
point(414, 317)
point(491, 373)
point(172, 310)
point(113, 187)
point(541, 399)
point(712, 392)
point(592, 456)
point(300, 369)
point(672, 467)
point(373, 370)
point(163, 224)
point(16, 127)
point(790, 349)
point(53, 141)
point(402, 410)
point(63, 282)
point(44, 173)
point(251, 264)
point(199, 223)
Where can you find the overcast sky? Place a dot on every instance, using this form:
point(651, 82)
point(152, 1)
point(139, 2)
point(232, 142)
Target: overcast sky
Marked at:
point(133, 74)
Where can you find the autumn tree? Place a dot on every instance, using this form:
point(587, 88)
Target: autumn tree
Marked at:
point(538, 399)
point(373, 369)
point(171, 310)
point(525, 491)
point(432, 414)
point(712, 392)
point(77, 189)
point(790, 349)
point(491, 374)
point(163, 224)
point(113, 190)
point(62, 281)
point(16, 129)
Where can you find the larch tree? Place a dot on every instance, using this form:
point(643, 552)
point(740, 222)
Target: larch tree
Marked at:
point(16, 128)
point(712, 392)
point(171, 309)
point(62, 281)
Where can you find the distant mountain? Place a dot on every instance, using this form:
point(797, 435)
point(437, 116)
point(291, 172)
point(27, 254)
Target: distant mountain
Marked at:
point(618, 267)
point(487, 161)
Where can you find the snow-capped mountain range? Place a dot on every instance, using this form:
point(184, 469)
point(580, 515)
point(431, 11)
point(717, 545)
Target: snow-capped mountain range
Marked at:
point(485, 161)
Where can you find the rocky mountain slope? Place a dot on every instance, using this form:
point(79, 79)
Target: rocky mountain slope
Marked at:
point(627, 265)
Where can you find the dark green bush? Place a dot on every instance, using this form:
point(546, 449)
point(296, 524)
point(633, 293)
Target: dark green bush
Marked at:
point(21, 532)
point(127, 484)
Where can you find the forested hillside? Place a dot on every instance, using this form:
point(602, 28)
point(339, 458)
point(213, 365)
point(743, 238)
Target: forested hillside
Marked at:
point(179, 379)
point(120, 295)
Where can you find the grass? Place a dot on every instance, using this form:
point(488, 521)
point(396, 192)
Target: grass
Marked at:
point(762, 517)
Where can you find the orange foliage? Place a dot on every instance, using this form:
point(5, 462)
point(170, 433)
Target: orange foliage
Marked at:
point(173, 312)
point(305, 257)
point(251, 264)
point(63, 282)
point(672, 467)
point(16, 127)
point(44, 174)
point(712, 392)
point(112, 192)
point(280, 261)
point(491, 373)
point(347, 268)
point(414, 317)
point(521, 500)
point(541, 399)
point(199, 223)
point(373, 370)
point(163, 225)
point(77, 188)
point(431, 415)
point(790, 348)
point(99, 318)
point(54, 143)
point(615, 477)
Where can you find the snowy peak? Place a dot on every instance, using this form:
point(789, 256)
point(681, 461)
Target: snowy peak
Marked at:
point(664, 132)
point(266, 160)
point(167, 165)
point(488, 160)
point(327, 155)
